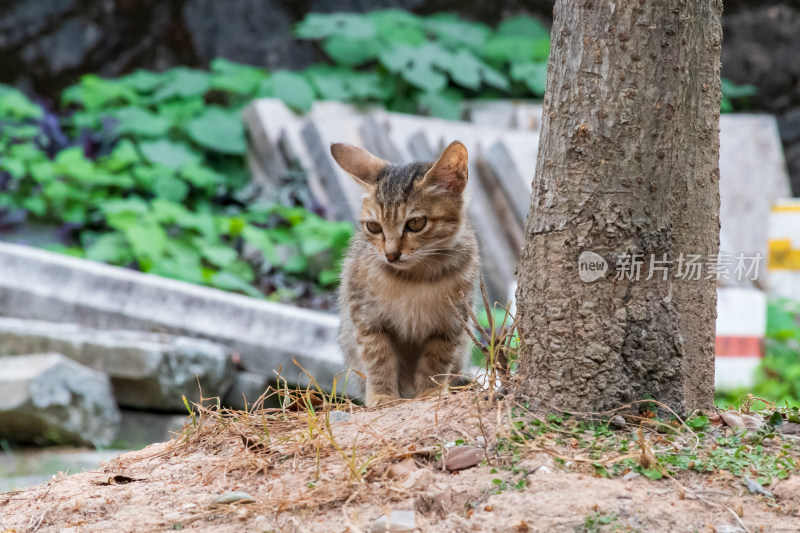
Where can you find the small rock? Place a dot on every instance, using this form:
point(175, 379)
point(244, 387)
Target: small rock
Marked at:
point(396, 521)
point(756, 488)
point(769, 442)
point(630, 476)
point(402, 469)
point(728, 528)
point(790, 428)
point(234, 497)
point(618, 422)
point(543, 470)
point(788, 491)
point(732, 419)
point(481, 441)
point(752, 421)
point(462, 457)
point(339, 416)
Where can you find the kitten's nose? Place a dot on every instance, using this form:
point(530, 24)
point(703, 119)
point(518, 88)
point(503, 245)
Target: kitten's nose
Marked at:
point(392, 256)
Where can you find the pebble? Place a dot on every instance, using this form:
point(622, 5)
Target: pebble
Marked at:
point(339, 416)
point(462, 457)
point(397, 521)
point(234, 497)
point(630, 476)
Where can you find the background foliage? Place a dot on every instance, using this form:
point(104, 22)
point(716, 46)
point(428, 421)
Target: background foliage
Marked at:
point(147, 170)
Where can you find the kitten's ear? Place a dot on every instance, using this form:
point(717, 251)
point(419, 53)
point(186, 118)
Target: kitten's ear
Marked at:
point(450, 170)
point(357, 162)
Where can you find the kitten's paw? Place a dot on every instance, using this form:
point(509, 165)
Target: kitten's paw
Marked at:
point(374, 400)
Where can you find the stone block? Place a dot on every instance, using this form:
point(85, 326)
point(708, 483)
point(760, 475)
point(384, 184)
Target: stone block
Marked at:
point(147, 370)
point(52, 287)
point(48, 398)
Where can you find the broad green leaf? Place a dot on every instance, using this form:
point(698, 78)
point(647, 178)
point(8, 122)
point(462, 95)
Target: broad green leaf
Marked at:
point(219, 130)
point(395, 26)
point(231, 282)
point(200, 176)
point(418, 66)
point(235, 77)
point(14, 104)
point(503, 48)
point(36, 205)
point(322, 25)
point(95, 93)
point(293, 89)
point(328, 277)
point(732, 91)
point(110, 248)
point(523, 26)
point(350, 52)
point(139, 121)
point(180, 111)
point(170, 188)
point(457, 33)
point(335, 83)
point(144, 81)
point(261, 240)
point(218, 255)
point(169, 153)
point(469, 71)
point(183, 83)
point(534, 75)
point(444, 104)
point(122, 156)
point(148, 241)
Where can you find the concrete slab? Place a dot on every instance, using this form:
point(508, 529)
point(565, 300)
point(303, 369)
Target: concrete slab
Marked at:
point(147, 370)
point(47, 286)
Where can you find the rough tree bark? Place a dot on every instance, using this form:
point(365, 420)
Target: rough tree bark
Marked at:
point(628, 164)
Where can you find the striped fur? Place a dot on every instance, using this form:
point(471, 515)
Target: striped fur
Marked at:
point(400, 322)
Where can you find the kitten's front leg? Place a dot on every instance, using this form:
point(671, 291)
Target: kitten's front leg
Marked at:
point(438, 358)
point(381, 366)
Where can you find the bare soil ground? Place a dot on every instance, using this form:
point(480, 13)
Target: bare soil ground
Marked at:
point(338, 467)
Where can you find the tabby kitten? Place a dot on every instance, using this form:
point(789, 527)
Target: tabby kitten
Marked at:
point(409, 272)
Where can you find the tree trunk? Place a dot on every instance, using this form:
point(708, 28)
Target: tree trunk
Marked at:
point(628, 164)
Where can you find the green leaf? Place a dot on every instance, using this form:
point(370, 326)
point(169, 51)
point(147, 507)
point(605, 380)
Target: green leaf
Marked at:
point(457, 33)
point(110, 248)
point(398, 27)
point(523, 26)
point(321, 25)
point(183, 83)
point(95, 93)
point(652, 473)
point(122, 156)
point(235, 77)
point(261, 240)
point(469, 71)
point(732, 91)
point(170, 188)
point(217, 254)
point(293, 89)
point(445, 104)
point(534, 75)
point(143, 81)
point(169, 153)
point(517, 49)
point(350, 52)
point(328, 277)
point(219, 130)
point(200, 176)
point(418, 66)
point(14, 104)
point(231, 282)
point(336, 83)
point(148, 241)
point(139, 121)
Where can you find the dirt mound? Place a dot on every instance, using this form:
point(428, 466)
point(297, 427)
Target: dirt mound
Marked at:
point(317, 466)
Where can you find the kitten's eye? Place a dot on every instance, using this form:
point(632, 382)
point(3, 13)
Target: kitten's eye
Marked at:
point(373, 227)
point(416, 224)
